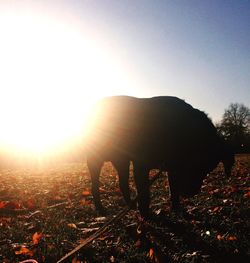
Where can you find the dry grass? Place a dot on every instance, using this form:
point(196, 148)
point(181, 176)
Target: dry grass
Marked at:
point(45, 213)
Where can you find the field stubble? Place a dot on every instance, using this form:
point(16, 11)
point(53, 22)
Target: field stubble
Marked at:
point(45, 213)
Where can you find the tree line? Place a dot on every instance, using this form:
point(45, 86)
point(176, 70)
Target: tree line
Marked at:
point(235, 127)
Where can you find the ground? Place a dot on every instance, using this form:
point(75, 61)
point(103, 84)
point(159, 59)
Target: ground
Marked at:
point(45, 213)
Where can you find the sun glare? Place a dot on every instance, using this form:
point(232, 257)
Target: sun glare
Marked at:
point(50, 75)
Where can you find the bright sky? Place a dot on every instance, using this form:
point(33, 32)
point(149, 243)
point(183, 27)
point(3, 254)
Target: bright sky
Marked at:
point(57, 57)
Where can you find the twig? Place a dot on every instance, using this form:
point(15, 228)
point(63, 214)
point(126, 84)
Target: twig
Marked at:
point(29, 261)
point(56, 205)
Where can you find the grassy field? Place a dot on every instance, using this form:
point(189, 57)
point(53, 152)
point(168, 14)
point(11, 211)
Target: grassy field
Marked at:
point(45, 213)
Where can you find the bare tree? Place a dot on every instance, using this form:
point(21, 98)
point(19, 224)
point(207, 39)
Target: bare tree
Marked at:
point(235, 126)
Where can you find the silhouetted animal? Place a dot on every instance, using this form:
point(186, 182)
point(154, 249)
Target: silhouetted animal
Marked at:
point(159, 132)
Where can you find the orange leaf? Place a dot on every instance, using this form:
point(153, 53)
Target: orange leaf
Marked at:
point(117, 190)
point(75, 260)
point(151, 252)
point(36, 238)
point(86, 193)
point(25, 251)
point(2, 204)
point(232, 238)
point(30, 204)
point(101, 190)
point(219, 237)
point(247, 194)
point(72, 225)
point(12, 205)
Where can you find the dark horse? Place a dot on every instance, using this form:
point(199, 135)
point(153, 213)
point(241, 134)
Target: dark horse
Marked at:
point(159, 132)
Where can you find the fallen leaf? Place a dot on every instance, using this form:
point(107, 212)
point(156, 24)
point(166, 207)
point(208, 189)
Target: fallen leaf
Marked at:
point(86, 193)
point(232, 238)
point(24, 251)
point(247, 195)
point(216, 209)
point(72, 225)
point(12, 205)
point(30, 204)
point(117, 190)
point(151, 253)
point(219, 237)
point(36, 238)
point(101, 190)
point(2, 204)
point(76, 260)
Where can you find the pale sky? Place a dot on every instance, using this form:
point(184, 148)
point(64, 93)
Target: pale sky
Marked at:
point(65, 54)
point(196, 50)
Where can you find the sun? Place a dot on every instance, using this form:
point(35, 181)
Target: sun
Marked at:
point(51, 73)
